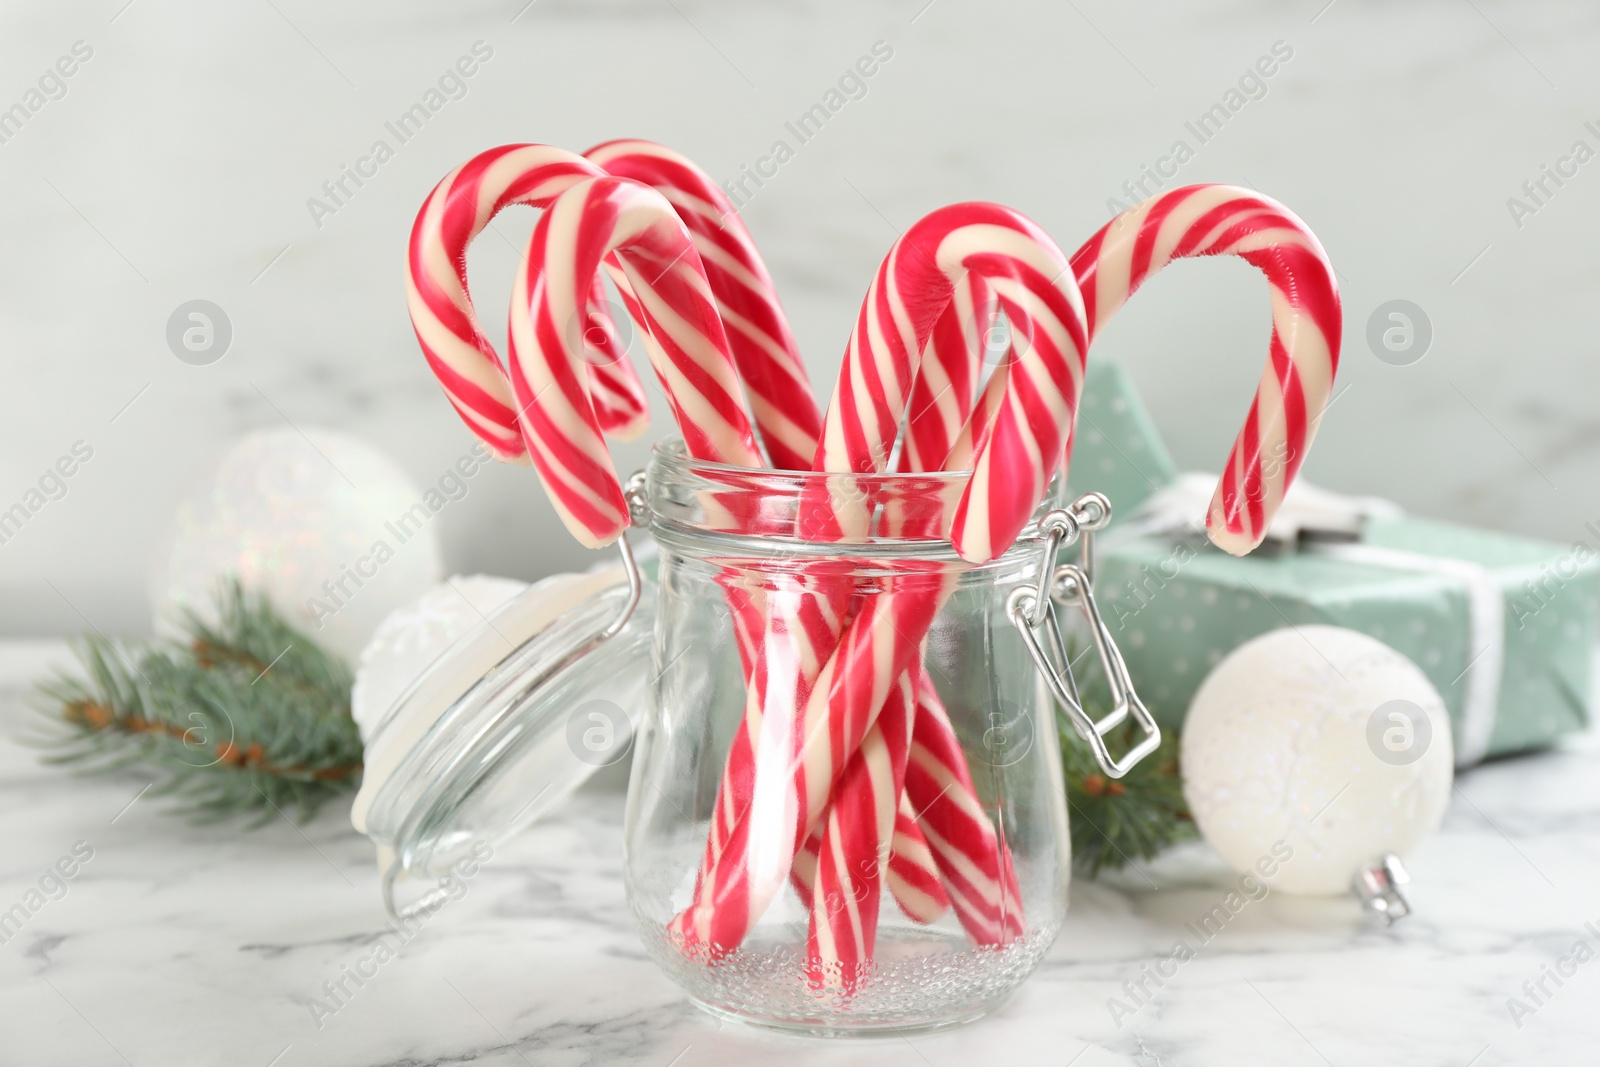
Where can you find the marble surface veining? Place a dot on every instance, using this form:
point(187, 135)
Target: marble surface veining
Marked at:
point(176, 944)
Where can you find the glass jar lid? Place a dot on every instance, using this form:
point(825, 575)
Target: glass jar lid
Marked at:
point(504, 724)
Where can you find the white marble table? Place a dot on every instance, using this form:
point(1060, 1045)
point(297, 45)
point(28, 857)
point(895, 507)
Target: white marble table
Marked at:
point(175, 945)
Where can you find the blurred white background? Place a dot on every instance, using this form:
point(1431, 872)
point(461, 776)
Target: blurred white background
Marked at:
point(178, 162)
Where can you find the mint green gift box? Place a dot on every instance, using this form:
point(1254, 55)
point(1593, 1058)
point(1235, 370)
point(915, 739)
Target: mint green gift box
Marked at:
point(1505, 627)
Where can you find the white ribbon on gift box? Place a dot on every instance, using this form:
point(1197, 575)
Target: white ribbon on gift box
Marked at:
point(1329, 524)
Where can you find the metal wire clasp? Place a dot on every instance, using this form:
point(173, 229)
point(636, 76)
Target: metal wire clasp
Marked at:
point(1031, 608)
point(639, 512)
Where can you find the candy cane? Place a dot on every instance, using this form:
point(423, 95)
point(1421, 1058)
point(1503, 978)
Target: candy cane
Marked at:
point(973, 861)
point(446, 323)
point(1299, 375)
point(767, 357)
point(464, 358)
point(913, 874)
point(620, 404)
point(786, 414)
point(764, 348)
point(1024, 442)
point(593, 219)
point(1302, 356)
point(788, 421)
point(946, 384)
point(970, 857)
point(804, 745)
point(853, 860)
point(1040, 388)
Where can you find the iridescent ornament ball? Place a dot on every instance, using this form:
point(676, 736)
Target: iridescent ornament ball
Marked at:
point(1311, 751)
point(331, 529)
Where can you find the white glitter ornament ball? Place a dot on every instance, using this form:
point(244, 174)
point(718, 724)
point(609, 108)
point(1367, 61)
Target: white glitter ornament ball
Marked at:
point(1311, 751)
point(331, 529)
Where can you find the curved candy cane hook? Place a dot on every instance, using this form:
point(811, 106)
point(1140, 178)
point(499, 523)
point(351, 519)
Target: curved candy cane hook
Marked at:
point(1038, 388)
point(592, 221)
point(1302, 357)
point(446, 323)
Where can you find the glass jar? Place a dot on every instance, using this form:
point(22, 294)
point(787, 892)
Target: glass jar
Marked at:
point(846, 810)
point(1000, 765)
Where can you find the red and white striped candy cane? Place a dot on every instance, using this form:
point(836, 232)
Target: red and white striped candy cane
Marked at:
point(1040, 385)
point(807, 736)
point(447, 326)
point(913, 874)
point(788, 421)
point(973, 861)
point(764, 348)
point(464, 359)
point(782, 401)
point(969, 858)
point(620, 403)
point(947, 380)
point(446, 323)
point(1303, 355)
point(915, 284)
point(853, 859)
point(596, 218)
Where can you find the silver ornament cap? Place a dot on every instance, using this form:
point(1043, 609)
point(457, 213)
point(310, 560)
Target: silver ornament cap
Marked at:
point(1382, 889)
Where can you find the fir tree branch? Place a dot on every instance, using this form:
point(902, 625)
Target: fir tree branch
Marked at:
point(240, 717)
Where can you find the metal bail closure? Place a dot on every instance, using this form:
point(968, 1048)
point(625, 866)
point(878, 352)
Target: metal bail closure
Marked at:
point(1031, 608)
point(1382, 889)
